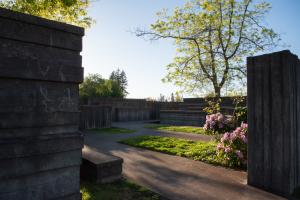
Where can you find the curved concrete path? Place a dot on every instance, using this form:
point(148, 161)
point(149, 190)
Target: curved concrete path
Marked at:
point(174, 177)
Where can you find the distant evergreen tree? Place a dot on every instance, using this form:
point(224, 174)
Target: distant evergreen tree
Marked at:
point(172, 97)
point(120, 78)
point(162, 98)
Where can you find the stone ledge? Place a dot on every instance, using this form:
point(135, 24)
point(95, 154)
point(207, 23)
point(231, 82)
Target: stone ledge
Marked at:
point(100, 167)
point(21, 27)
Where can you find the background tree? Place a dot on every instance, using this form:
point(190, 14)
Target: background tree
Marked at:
point(120, 77)
point(96, 86)
point(172, 97)
point(162, 98)
point(213, 37)
point(68, 11)
point(178, 97)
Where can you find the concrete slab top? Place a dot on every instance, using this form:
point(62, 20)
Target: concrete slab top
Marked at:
point(97, 157)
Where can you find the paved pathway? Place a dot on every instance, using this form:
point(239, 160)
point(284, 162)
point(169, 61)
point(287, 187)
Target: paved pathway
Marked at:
point(175, 177)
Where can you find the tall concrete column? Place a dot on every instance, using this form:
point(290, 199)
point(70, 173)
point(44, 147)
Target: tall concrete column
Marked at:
point(40, 145)
point(274, 123)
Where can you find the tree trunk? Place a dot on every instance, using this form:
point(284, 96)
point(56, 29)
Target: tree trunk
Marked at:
point(217, 91)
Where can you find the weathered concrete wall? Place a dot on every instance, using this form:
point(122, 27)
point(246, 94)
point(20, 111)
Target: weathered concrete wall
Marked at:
point(95, 117)
point(274, 122)
point(129, 109)
point(40, 145)
point(181, 117)
point(190, 112)
point(225, 101)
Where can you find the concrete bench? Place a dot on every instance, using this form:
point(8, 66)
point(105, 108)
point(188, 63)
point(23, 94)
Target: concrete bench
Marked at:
point(100, 167)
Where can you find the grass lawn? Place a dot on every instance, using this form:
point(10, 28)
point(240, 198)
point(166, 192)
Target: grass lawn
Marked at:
point(197, 150)
point(184, 129)
point(113, 130)
point(121, 190)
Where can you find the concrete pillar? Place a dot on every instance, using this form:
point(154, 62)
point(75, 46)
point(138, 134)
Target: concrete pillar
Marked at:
point(274, 122)
point(40, 145)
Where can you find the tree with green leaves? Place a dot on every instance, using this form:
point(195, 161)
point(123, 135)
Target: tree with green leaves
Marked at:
point(96, 86)
point(67, 11)
point(178, 97)
point(212, 37)
point(120, 77)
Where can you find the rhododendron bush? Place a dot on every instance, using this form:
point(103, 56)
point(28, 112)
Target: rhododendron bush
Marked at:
point(232, 140)
point(218, 123)
point(232, 148)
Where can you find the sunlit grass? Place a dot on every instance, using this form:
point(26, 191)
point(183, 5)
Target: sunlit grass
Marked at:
point(196, 150)
point(184, 129)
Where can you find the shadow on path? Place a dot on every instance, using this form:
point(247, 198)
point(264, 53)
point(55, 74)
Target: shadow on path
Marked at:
point(175, 177)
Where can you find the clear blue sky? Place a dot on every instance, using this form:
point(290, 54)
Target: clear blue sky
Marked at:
point(109, 45)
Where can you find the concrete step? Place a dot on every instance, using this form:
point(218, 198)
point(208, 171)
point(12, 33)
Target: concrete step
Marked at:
point(100, 167)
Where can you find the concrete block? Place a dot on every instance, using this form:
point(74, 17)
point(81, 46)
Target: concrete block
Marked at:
point(100, 167)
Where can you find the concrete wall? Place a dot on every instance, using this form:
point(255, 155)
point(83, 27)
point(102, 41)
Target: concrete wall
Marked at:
point(225, 101)
point(190, 112)
point(95, 117)
point(40, 145)
point(274, 122)
point(129, 109)
point(181, 117)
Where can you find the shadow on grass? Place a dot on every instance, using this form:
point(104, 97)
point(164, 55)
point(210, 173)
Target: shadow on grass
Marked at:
point(120, 190)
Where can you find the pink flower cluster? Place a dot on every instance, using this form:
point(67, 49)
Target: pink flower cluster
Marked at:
point(233, 146)
point(217, 123)
point(238, 133)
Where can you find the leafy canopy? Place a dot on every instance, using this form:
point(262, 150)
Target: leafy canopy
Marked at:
point(212, 37)
point(96, 86)
point(67, 11)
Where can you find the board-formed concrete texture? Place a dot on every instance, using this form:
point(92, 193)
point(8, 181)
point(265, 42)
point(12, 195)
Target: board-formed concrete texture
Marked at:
point(95, 117)
point(40, 145)
point(190, 112)
point(182, 117)
point(128, 109)
point(274, 122)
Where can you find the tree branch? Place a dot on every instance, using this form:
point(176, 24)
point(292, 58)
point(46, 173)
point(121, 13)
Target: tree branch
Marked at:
point(241, 30)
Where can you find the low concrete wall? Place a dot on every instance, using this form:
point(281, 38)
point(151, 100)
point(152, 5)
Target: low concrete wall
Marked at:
point(225, 101)
point(40, 145)
point(129, 109)
point(189, 112)
point(186, 118)
point(95, 117)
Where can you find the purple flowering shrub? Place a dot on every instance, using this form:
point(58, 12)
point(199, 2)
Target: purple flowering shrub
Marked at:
point(232, 148)
point(218, 123)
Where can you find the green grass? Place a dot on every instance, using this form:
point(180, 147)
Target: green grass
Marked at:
point(121, 190)
point(184, 129)
point(113, 130)
point(196, 150)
